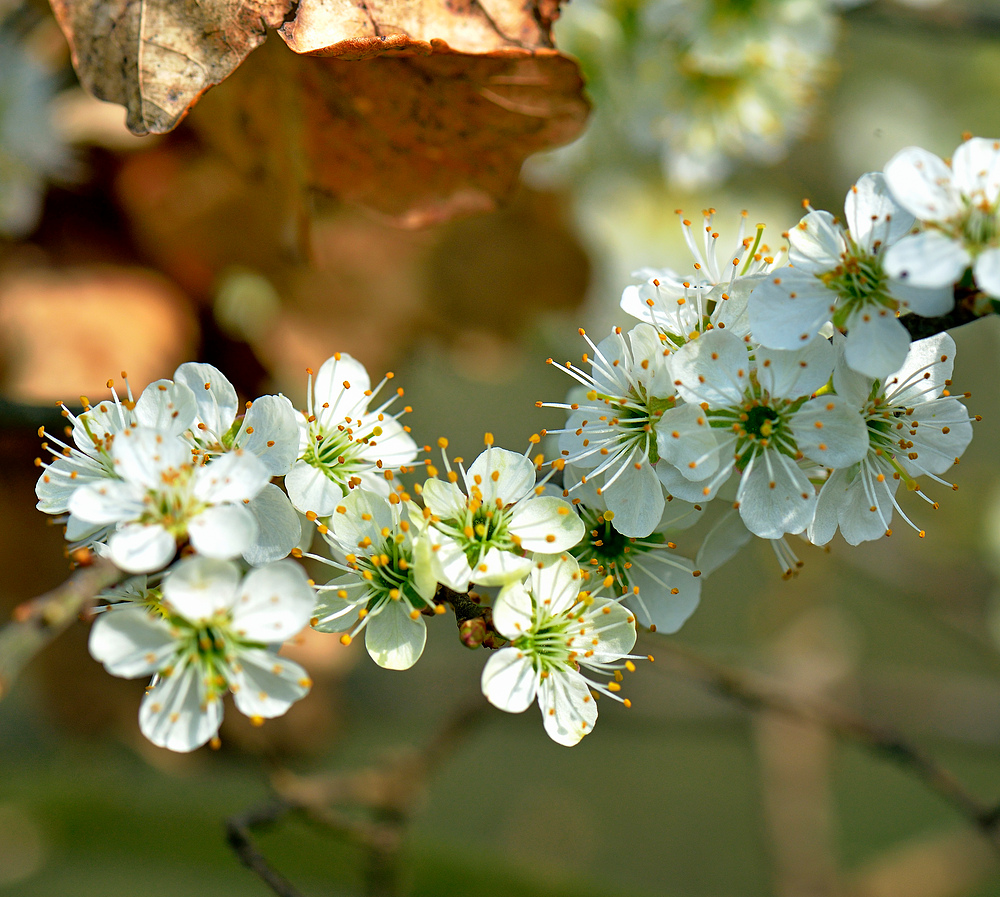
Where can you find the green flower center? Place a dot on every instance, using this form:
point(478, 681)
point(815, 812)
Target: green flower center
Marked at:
point(859, 282)
point(605, 551)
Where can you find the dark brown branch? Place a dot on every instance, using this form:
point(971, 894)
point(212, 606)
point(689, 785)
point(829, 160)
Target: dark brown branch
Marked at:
point(38, 621)
point(239, 837)
point(369, 808)
point(757, 692)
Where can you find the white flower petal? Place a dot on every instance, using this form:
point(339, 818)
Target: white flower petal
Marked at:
point(199, 588)
point(936, 450)
point(60, 479)
point(138, 548)
point(975, 169)
point(501, 474)
point(131, 642)
point(928, 260)
point(513, 611)
point(179, 714)
point(509, 681)
point(310, 489)
point(335, 612)
point(636, 500)
point(714, 368)
point(877, 343)
point(274, 603)
point(223, 531)
point(929, 302)
point(925, 373)
point(265, 685)
point(167, 407)
point(394, 639)
point(359, 520)
point(615, 629)
point(278, 527)
point(873, 215)
point(830, 431)
point(685, 440)
point(215, 396)
point(792, 374)
point(143, 455)
point(449, 564)
point(394, 447)
point(569, 711)
point(817, 243)
point(498, 567)
point(722, 542)
point(922, 184)
point(776, 499)
point(789, 307)
point(656, 604)
point(106, 501)
point(555, 582)
point(445, 500)
point(270, 431)
point(234, 476)
point(339, 389)
point(546, 524)
point(987, 272)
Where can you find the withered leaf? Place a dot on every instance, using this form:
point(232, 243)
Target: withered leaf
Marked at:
point(358, 30)
point(156, 57)
point(417, 139)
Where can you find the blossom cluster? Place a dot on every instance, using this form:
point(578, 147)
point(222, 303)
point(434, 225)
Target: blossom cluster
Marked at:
point(786, 388)
point(790, 387)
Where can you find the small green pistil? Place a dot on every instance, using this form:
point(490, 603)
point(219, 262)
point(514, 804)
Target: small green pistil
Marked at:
point(760, 421)
point(605, 550)
point(549, 643)
point(387, 572)
point(980, 226)
point(858, 281)
point(173, 506)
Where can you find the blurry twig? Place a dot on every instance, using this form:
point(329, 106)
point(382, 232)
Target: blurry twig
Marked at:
point(36, 622)
point(758, 692)
point(370, 808)
point(954, 19)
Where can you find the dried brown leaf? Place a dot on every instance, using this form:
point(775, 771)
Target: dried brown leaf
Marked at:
point(156, 57)
point(358, 30)
point(417, 139)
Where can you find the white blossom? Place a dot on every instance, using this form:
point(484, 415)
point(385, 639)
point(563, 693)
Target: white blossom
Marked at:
point(269, 429)
point(481, 535)
point(344, 444)
point(610, 430)
point(838, 275)
point(661, 587)
point(915, 428)
point(558, 635)
point(165, 496)
point(386, 579)
point(958, 206)
point(715, 296)
point(755, 414)
point(211, 632)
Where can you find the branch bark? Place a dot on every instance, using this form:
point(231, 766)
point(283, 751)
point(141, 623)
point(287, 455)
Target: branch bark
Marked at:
point(38, 621)
point(756, 692)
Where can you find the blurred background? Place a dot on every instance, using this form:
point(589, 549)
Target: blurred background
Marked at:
point(124, 253)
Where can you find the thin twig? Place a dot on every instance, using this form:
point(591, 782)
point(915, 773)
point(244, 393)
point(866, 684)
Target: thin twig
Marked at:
point(757, 692)
point(38, 621)
point(240, 839)
point(389, 793)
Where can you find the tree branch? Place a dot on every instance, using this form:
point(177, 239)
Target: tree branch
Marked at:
point(389, 793)
point(757, 692)
point(38, 621)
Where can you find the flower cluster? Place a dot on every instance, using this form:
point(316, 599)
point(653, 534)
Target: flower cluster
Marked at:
point(792, 391)
point(789, 390)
